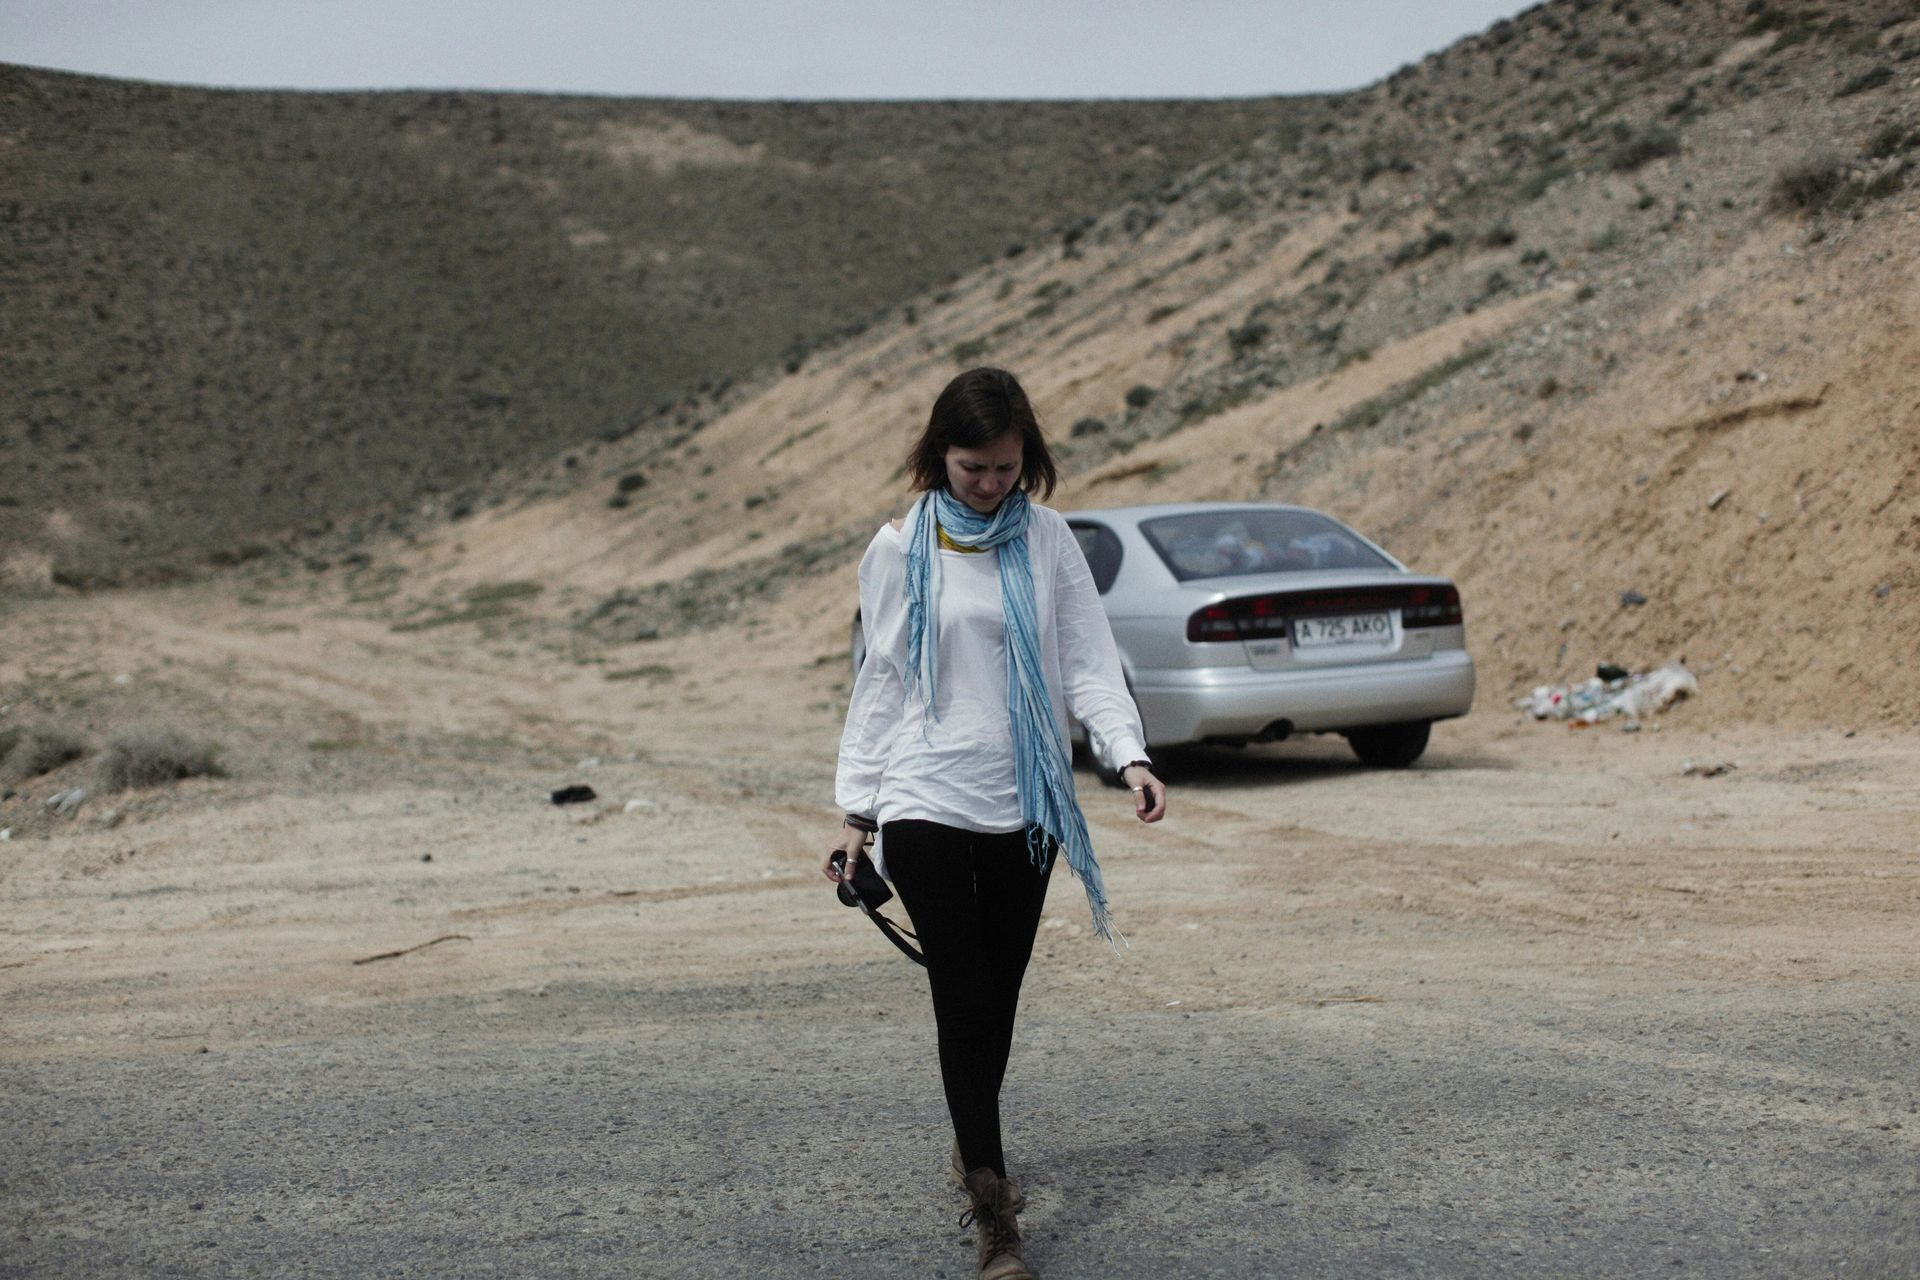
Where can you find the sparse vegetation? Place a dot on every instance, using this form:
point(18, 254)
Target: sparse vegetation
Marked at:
point(1218, 401)
point(653, 672)
point(151, 758)
point(39, 750)
point(1248, 336)
point(793, 440)
point(403, 236)
point(478, 604)
point(1870, 79)
point(967, 354)
point(1636, 150)
point(1859, 190)
point(1426, 246)
point(1807, 185)
point(1370, 413)
point(500, 593)
point(1541, 180)
point(1890, 140)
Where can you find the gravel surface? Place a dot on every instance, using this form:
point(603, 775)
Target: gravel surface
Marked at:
point(1758, 1135)
point(1549, 1003)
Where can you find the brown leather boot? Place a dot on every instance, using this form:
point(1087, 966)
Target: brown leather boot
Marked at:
point(959, 1171)
point(992, 1215)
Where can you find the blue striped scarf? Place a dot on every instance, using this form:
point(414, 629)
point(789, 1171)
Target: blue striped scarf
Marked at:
point(1042, 767)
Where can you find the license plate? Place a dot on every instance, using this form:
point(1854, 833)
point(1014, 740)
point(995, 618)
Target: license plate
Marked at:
point(1354, 628)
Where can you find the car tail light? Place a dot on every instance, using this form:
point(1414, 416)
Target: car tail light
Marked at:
point(1431, 607)
point(1269, 616)
point(1215, 622)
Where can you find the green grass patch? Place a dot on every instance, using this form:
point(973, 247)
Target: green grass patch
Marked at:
point(970, 351)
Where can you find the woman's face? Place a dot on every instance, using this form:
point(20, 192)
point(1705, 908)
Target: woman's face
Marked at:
point(982, 477)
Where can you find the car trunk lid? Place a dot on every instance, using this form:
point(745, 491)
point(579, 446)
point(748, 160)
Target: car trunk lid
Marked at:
point(1291, 621)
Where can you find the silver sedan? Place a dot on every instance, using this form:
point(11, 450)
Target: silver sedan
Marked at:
point(1251, 622)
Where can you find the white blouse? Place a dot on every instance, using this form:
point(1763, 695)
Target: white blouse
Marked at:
point(956, 767)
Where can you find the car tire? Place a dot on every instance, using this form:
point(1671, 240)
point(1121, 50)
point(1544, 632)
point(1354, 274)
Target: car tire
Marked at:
point(1390, 746)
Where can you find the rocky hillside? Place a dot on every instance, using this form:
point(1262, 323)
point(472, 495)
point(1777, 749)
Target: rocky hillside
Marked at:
point(235, 316)
point(1609, 312)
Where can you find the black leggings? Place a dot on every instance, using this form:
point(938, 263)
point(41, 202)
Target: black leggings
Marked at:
point(975, 901)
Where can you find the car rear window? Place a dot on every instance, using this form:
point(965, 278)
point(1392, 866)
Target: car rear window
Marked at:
point(1101, 546)
point(1219, 544)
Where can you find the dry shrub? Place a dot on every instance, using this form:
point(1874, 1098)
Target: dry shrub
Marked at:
point(1890, 140)
point(1807, 185)
point(1635, 150)
point(149, 758)
point(41, 750)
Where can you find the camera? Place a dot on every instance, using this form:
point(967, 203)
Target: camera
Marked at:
point(866, 889)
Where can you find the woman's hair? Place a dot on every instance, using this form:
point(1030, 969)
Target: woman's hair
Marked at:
point(977, 408)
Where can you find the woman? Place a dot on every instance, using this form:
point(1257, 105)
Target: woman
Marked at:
point(983, 630)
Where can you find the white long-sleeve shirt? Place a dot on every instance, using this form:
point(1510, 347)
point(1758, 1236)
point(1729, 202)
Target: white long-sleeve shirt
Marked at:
point(956, 767)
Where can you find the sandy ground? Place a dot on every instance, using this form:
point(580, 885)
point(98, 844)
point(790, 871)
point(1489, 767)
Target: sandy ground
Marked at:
point(1544, 1003)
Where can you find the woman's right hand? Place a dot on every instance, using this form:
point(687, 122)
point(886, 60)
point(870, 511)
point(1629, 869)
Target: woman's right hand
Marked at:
point(852, 845)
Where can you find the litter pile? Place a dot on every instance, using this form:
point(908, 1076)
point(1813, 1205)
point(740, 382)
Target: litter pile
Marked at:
point(1613, 692)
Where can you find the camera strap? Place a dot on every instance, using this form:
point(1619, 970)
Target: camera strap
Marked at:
point(893, 932)
point(866, 890)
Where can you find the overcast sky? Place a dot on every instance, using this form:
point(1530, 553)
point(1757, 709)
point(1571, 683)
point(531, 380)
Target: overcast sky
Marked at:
point(749, 48)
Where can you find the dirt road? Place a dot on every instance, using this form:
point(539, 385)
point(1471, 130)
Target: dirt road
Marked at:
point(1545, 1004)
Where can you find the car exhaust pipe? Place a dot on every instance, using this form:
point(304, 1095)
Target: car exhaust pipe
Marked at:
point(1278, 731)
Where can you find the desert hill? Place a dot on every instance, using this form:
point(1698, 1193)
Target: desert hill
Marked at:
point(234, 317)
point(1607, 303)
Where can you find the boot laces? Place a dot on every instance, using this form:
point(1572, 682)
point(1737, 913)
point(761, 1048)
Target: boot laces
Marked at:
point(997, 1232)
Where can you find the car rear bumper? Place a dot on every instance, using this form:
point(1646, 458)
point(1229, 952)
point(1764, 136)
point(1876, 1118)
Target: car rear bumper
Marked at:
point(1188, 705)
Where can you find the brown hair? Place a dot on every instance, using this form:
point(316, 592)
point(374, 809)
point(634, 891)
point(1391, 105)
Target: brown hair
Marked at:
point(977, 408)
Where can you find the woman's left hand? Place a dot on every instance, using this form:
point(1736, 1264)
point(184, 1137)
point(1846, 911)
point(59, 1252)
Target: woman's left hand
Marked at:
point(1149, 793)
